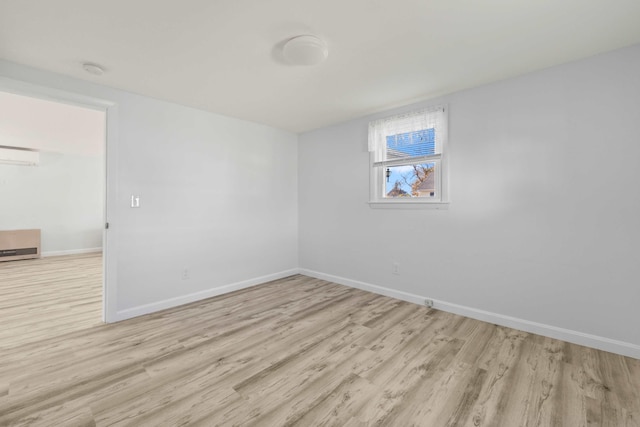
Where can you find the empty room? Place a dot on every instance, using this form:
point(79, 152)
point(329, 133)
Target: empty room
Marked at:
point(52, 175)
point(408, 213)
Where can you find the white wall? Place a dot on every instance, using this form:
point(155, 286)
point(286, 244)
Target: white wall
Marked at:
point(45, 125)
point(64, 195)
point(543, 220)
point(218, 196)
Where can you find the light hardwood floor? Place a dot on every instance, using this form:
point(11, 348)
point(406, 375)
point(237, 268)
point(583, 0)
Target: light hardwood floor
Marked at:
point(41, 298)
point(306, 352)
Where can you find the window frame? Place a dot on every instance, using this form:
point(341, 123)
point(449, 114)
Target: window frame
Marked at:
point(377, 184)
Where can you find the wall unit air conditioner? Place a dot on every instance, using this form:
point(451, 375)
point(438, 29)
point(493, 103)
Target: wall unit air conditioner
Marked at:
point(19, 244)
point(19, 156)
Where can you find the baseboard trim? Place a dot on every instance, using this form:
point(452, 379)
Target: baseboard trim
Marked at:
point(580, 338)
point(71, 252)
point(197, 296)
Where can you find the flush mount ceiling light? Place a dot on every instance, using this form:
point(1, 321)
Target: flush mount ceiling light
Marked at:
point(305, 50)
point(94, 69)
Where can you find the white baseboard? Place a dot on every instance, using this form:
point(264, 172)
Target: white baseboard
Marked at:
point(588, 340)
point(71, 252)
point(196, 296)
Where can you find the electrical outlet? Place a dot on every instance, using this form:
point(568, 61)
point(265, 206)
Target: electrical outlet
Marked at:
point(396, 268)
point(185, 274)
point(428, 303)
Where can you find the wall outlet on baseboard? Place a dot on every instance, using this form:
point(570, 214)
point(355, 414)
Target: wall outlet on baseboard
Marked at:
point(185, 274)
point(428, 303)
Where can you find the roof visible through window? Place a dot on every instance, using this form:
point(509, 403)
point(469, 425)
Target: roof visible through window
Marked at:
point(411, 144)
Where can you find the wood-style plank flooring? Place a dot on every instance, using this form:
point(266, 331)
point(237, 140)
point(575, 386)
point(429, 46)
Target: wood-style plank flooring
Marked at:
point(306, 352)
point(41, 298)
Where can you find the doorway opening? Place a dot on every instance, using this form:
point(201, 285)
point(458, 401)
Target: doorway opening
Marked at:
point(56, 197)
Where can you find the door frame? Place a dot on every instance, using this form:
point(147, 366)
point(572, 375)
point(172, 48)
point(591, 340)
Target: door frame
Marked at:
point(109, 236)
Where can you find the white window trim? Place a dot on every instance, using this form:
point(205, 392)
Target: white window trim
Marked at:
point(402, 204)
point(376, 172)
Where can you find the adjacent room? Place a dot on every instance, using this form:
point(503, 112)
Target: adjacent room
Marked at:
point(320, 213)
point(52, 179)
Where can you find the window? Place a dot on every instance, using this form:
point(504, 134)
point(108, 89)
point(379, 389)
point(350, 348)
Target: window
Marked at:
point(408, 157)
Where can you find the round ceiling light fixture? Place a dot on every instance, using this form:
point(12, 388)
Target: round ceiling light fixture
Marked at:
point(305, 50)
point(94, 69)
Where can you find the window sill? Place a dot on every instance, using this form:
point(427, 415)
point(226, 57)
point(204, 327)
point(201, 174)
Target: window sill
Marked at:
point(408, 204)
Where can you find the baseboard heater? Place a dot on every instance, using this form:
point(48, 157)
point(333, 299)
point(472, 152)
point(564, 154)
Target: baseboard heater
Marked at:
point(19, 244)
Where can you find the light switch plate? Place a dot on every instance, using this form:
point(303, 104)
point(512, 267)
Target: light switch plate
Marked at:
point(135, 201)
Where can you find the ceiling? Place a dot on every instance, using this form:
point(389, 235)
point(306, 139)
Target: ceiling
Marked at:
point(224, 55)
